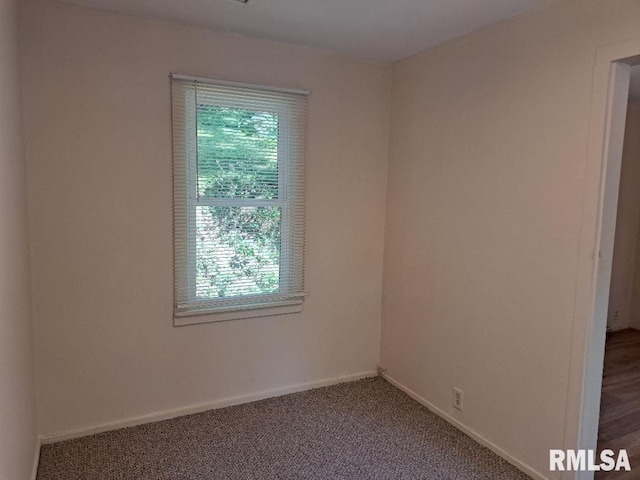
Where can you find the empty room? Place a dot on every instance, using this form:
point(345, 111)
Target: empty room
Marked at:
point(292, 239)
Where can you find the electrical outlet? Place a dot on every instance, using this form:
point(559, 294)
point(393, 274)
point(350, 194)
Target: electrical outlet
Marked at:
point(457, 398)
point(381, 370)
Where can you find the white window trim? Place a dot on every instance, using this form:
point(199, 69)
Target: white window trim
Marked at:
point(194, 311)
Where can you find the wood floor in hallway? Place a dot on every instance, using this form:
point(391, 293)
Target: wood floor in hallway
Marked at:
point(620, 404)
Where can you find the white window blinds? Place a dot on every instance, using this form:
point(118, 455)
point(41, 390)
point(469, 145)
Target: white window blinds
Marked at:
point(238, 196)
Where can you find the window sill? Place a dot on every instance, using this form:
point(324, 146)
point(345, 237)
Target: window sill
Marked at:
point(196, 317)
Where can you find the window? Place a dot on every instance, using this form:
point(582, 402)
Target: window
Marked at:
point(238, 199)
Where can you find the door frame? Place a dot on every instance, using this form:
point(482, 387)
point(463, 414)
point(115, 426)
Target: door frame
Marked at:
point(602, 178)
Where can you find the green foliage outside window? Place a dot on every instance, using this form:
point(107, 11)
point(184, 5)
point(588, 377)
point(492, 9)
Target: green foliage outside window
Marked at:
point(237, 246)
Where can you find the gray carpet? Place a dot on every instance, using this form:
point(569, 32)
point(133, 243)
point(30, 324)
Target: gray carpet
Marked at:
point(359, 430)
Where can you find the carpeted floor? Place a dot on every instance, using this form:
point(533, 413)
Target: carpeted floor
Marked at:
point(360, 430)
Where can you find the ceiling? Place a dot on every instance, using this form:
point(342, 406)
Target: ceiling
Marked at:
point(384, 30)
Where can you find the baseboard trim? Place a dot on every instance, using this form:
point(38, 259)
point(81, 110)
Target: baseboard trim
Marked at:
point(620, 329)
point(202, 407)
point(476, 436)
point(36, 461)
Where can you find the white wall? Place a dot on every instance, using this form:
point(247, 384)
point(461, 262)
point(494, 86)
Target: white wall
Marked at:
point(17, 400)
point(623, 271)
point(97, 110)
point(486, 187)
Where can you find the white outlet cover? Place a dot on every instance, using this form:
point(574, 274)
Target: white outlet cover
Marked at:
point(457, 398)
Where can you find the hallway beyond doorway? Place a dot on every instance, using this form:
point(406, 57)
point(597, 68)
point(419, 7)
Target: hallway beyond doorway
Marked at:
point(620, 404)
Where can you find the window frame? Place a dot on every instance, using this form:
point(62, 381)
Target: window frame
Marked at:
point(290, 201)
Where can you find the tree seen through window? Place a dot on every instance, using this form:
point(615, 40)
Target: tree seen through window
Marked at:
point(238, 234)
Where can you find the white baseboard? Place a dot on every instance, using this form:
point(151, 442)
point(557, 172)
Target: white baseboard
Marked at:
point(36, 461)
point(616, 329)
point(202, 407)
point(619, 328)
point(476, 436)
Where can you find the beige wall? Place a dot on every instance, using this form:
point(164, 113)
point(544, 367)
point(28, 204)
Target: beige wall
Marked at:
point(623, 271)
point(486, 187)
point(17, 400)
point(632, 152)
point(100, 203)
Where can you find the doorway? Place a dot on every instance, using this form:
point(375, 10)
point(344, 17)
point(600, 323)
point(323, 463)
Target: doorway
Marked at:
point(619, 422)
point(612, 75)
